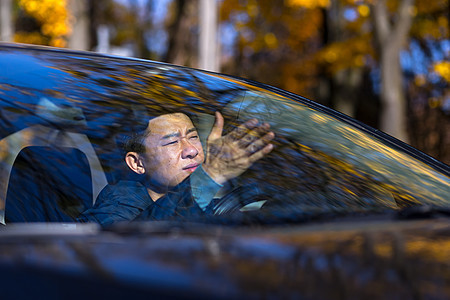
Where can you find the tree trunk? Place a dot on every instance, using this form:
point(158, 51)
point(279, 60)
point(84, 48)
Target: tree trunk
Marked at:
point(339, 90)
point(140, 26)
point(182, 44)
point(6, 24)
point(79, 38)
point(391, 38)
point(393, 113)
point(208, 54)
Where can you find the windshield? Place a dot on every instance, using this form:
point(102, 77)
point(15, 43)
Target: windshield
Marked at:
point(64, 121)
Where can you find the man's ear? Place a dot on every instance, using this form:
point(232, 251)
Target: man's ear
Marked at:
point(135, 162)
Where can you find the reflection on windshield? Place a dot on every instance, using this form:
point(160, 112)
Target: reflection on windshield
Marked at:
point(319, 162)
point(320, 153)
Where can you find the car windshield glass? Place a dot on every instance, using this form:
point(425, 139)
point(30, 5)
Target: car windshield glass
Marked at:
point(65, 120)
point(323, 164)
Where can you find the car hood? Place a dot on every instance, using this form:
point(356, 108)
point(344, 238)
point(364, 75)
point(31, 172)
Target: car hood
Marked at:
point(377, 259)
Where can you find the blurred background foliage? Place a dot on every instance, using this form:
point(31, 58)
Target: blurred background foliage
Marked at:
point(385, 63)
point(44, 22)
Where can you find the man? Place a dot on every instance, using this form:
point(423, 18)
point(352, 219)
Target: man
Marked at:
point(177, 179)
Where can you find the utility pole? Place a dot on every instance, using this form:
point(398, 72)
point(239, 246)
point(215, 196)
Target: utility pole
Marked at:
point(208, 36)
point(6, 26)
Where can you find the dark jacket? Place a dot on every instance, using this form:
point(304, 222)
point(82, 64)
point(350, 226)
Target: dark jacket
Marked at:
point(129, 200)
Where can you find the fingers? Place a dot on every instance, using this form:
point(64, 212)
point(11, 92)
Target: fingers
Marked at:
point(253, 135)
point(249, 139)
point(243, 129)
point(261, 143)
point(216, 131)
point(261, 153)
point(230, 155)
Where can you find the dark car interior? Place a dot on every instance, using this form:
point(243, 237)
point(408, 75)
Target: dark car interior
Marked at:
point(48, 185)
point(62, 144)
point(58, 175)
point(54, 173)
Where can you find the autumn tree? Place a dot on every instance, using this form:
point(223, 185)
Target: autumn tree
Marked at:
point(346, 54)
point(427, 79)
point(44, 22)
point(182, 30)
point(360, 57)
point(274, 43)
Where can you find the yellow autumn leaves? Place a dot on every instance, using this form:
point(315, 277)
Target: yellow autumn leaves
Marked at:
point(53, 18)
point(309, 3)
point(443, 69)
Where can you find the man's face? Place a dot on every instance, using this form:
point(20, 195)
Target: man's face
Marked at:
point(173, 150)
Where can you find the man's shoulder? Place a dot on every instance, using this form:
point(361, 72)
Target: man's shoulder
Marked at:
point(125, 192)
point(122, 201)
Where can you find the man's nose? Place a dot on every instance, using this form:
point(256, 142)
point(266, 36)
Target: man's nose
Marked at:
point(188, 150)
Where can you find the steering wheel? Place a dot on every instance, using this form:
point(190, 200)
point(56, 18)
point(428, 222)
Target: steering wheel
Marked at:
point(240, 199)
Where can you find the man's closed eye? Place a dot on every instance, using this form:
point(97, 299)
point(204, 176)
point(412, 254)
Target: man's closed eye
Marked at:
point(170, 143)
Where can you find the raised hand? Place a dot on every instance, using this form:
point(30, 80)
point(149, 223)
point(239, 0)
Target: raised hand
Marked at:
point(231, 155)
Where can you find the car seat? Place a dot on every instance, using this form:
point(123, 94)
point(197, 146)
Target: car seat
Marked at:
point(48, 184)
point(49, 171)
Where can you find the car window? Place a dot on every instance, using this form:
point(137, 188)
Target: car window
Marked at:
point(322, 163)
point(70, 123)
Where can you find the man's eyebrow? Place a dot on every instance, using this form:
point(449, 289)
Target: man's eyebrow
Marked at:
point(177, 134)
point(191, 130)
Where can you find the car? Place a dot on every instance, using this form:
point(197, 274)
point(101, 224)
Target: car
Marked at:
point(337, 210)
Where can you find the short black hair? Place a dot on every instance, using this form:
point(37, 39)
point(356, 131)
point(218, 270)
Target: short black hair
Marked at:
point(135, 141)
